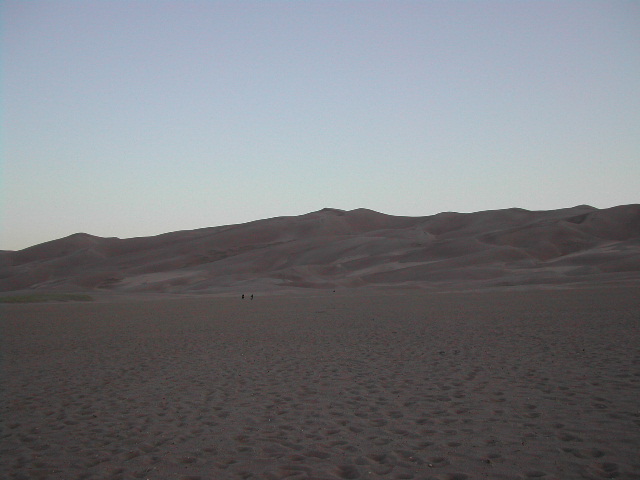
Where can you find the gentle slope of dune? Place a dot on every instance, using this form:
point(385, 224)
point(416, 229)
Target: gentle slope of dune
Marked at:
point(334, 249)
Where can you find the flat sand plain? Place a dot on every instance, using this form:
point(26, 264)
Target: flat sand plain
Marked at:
point(496, 385)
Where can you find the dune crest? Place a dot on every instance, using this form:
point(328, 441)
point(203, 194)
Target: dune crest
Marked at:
point(334, 249)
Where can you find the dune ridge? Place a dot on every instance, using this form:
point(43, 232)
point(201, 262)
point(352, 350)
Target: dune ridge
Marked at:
point(337, 249)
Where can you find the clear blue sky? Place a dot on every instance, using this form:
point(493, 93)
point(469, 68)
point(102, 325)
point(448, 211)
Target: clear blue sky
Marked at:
point(134, 118)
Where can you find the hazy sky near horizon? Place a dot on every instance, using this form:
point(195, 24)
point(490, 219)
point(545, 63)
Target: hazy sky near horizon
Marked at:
point(134, 118)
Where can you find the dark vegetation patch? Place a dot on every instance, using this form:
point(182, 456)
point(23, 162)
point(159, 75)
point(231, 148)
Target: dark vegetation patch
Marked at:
point(47, 297)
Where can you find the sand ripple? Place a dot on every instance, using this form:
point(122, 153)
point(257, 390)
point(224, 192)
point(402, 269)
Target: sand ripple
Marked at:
point(449, 387)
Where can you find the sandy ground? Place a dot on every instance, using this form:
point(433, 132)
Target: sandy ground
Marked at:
point(497, 385)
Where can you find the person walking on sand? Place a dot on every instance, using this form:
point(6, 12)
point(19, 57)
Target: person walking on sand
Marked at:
point(252, 296)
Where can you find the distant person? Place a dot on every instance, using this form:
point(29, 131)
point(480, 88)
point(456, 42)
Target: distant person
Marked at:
point(252, 296)
point(243, 296)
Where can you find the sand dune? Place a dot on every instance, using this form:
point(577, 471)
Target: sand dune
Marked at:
point(334, 249)
point(377, 374)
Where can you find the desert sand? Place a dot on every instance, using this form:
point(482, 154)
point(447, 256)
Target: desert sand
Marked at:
point(336, 249)
point(411, 385)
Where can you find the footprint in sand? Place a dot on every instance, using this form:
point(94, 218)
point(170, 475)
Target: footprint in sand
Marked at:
point(437, 462)
point(584, 453)
point(348, 472)
point(535, 474)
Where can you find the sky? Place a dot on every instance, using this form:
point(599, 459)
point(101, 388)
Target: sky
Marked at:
point(135, 118)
